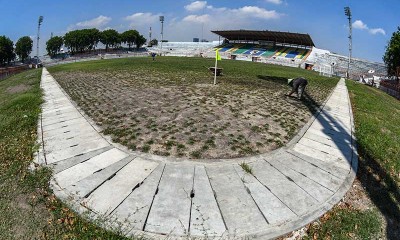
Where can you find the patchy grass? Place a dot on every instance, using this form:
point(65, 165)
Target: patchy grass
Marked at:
point(377, 121)
point(346, 224)
point(28, 208)
point(172, 102)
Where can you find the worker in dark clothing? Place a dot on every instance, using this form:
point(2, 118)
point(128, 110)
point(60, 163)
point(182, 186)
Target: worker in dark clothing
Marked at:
point(153, 55)
point(298, 86)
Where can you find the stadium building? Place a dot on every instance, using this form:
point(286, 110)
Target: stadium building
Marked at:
point(281, 48)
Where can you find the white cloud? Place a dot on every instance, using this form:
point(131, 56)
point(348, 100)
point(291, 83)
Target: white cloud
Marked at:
point(200, 25)
point(377, 30)
point(277, 2)
point(98, 22)
point(217, 18)
point(196, 6)
point(257, 12)
point(142, 19)
point(358, 24)
point(197, 18)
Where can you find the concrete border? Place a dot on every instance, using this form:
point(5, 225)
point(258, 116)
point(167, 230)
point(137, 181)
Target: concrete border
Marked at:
point(272, 231)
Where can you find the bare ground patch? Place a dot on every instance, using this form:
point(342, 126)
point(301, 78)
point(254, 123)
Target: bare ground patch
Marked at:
point(18, 88)
point(183, 115)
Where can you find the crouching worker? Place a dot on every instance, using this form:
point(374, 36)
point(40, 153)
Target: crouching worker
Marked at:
point(298, 86)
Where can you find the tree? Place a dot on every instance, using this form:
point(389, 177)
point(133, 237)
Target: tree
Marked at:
point(140, 40)
point(53, 45)
point(129, 37)
point(71, 41)
point(154, 42)
point(23, 47)
point(6, 50)
point(110, 37)
point(392, 54)
point(93, 38)
point(82, 40)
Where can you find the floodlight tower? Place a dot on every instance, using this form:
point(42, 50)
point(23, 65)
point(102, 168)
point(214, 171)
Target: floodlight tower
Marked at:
point(347, 12)
point(162, 31)
point(38, 32)
point(149, 36)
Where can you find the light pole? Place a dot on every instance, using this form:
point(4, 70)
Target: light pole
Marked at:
point(162, 31)
point(37, 43)
point(347, 12)
point(149, 36)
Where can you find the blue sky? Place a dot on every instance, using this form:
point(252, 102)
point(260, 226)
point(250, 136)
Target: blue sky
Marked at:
point(374, 21)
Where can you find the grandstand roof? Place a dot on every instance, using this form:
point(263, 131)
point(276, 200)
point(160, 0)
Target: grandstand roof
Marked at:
point(281, 37)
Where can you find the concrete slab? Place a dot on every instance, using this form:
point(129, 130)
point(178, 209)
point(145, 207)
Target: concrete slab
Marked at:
point(73, 150)
point(206, 218)
point(80, 171)
point(292, 195)
point(330, 167)
point(72, 141)
point(340, 151)
point(61, 116)
point(313, 188)
point(70, 162)
point(310, 170)
point(170, 212)
point(134, 210)
point(323, 156)
point(75, 123)
point(87, 185)
point(238, 208)
point(273, 209)
point(325, 126)
point(326, 139)
point(74, 129)
point(109, 195)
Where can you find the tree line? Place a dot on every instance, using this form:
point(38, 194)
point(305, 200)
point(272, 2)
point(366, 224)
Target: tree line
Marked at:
point(84, 40)
point(8, 53)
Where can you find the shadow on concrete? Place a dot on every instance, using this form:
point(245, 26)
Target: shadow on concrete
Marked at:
point(379, 185)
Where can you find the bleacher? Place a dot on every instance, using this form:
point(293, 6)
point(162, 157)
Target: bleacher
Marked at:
point(328, 63)
point(266, 52)
point(280, 55)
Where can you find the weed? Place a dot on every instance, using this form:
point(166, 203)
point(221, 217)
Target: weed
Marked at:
point(195, 154)
point(246, 167)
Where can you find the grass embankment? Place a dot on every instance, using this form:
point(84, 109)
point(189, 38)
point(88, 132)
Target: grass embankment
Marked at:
point(170, 106)
point(377, 122)
point(28, 209)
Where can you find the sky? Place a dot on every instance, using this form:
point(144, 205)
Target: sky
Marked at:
point(373, 21)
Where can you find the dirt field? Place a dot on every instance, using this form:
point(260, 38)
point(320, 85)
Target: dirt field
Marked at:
point(183, 114)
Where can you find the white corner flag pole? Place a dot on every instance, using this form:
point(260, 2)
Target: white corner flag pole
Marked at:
point(215, 69)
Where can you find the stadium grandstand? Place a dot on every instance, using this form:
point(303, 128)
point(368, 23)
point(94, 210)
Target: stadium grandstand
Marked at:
point(274, 47)
point(283, 48)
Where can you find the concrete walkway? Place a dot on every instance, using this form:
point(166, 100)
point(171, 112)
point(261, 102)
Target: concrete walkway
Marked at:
point(143, 194)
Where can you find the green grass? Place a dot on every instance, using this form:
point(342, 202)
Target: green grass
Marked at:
point(377, 119)
point(346, 224)
point(28, 208)
point(377, 122)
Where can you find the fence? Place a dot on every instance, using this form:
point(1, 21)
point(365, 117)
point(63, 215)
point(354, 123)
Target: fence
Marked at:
point(84, 58)
point(9, 71)
point(391, 87)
